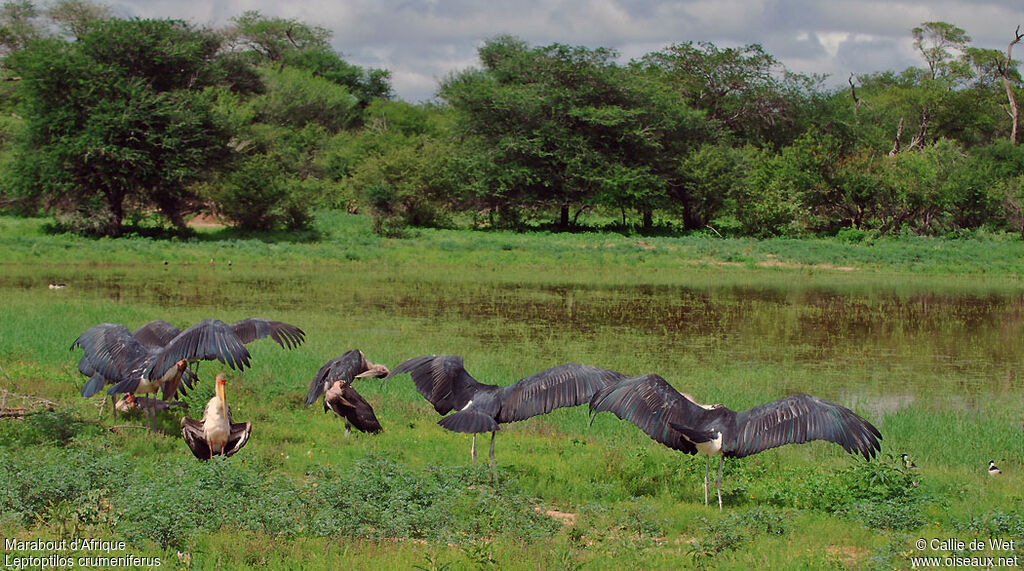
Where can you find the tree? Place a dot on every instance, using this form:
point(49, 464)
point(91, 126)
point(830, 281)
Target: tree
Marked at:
point(744, 89)
point(272, 38)
point(117, 120)
point(289, 43)
point(558, 127)
point(295, 97)
point(935, 40)
point(73, 16)
point(19, 25)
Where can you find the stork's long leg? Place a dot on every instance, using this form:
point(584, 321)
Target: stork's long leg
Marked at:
point(494, 469)
point(707, 469)
point(348, 429)
point(472, 449)
point(718, 482)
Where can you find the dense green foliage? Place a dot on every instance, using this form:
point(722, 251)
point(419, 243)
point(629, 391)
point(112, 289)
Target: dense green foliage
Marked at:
point(134, 123)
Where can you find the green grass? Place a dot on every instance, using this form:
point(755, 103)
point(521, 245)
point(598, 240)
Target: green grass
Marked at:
point(923, 337)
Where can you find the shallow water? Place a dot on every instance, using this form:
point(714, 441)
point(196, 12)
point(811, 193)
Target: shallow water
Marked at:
point(887, 346)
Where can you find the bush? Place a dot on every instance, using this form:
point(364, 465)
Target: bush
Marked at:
point(378, 498)
point(261, 194)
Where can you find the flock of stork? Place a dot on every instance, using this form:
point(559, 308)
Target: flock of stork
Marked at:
point(156, 357)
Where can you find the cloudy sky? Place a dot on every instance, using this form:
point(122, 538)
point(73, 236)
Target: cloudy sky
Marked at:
point(422, 41)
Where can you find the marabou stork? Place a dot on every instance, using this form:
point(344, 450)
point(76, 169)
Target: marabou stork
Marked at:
point(678, 421)
point(215, 434)
point(153, 334)
point(156, 356)
point(334, 381)
point(443, 381)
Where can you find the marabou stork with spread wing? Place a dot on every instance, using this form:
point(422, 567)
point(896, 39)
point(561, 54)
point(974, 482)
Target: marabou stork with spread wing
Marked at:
point(443, 381)
point(153, 334)
point(156, 356)
point(334, 381)
point(678, 421)
point(215, 434)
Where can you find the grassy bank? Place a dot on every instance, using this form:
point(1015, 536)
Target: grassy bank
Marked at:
point(734, 321)
point(341, 238)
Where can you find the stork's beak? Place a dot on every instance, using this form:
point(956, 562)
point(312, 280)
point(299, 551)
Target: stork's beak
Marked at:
point(221, 394)
point(375, 371)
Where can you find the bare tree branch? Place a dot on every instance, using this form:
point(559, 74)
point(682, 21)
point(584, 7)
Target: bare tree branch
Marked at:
point(1004, 72)
point(853, 94)
point(896, 142)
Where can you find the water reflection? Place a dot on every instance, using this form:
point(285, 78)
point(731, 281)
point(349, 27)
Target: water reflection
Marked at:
point(964, 342)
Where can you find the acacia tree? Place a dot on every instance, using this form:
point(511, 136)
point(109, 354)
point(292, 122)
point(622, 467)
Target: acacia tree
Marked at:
point(559, 127)
point(745, 90)
point(283, 42)
point(116, 119)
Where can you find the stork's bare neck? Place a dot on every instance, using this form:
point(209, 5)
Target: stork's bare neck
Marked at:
point(217, 418)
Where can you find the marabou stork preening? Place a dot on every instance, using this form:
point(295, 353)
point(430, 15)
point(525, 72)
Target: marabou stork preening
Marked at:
point(215, 434)
point(679, 422)
point(156, 356)
point(443, 381)
point(334, 381)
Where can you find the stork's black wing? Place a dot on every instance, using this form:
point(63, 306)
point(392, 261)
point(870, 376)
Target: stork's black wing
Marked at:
point(797, 419)
point(470, 421)
point(565, 385)
point(192, 431)
point(342, 368)
point(442, 380)
point(207, 340)
point(156, 333)
point(253, 328)
point(653, 405)
point(110, 351)
point(239, 435)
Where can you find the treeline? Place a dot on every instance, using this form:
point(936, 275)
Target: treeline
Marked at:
point(111, 124)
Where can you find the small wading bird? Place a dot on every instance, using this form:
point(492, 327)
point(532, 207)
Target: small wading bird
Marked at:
point(334, 381)
point(907, 462)
point(157, 354)
point(443, 381)
point(679, 422)
point(215, 434)
point(992, 470)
